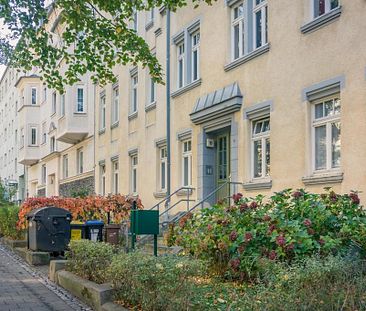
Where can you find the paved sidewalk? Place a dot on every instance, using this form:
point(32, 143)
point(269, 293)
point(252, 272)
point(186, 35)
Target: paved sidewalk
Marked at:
point(23, 288)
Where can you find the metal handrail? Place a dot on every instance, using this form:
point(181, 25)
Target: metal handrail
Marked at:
point(169, 196)
point(176, 203)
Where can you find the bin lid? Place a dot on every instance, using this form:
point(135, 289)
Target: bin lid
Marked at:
point(95, 222)
point(49, 211)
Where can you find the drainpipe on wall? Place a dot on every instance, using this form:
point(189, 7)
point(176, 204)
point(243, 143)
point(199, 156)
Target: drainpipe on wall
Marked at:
point(168, 147)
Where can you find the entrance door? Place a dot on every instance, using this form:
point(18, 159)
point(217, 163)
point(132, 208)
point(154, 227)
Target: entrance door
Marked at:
point(223, 165)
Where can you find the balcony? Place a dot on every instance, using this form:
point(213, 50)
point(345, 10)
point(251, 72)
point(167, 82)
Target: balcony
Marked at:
point(72, 128)
point(29, 155)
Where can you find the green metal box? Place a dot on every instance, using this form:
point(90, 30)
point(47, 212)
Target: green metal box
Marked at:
point(144, 222)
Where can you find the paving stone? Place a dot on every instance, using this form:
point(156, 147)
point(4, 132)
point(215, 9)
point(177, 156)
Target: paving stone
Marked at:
point(23, 288)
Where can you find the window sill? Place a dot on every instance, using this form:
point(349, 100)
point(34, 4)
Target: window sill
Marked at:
point(53, 114)
point(186, 88)
point(246, 58)
point(150, 106)
point(133, 116)
point(114, 125)
point(159, 194)
point(101, 132)
point(258, 185)
point(321, 179)
point(80, 113)
point(61, 117)
point(149, 25)
point(321, 21)
point(184, 192)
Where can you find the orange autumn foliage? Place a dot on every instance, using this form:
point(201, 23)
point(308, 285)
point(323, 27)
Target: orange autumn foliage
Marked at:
point(83, 209)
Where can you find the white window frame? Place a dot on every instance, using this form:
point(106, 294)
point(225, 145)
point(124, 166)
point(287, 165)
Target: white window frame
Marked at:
point(102, 172)
point(65, 166)
point(34, 102)
point(53, 106)
point(134, 174)
point(115, 176)
point(187, 153)
point(152, 91)
point(240, 21)
point(103, 110)
point(262, 137)
point(327, 121)
point(163, 160)
point(326, 10)
point(83, 110)
point(80, 161)
point(115, 104)
point(31, 136)
point(181, 58)
point(53, 146)
point(263, 8)
point(195, 48)
point(44, 132)
point(62, 105)
point(43, 174)
point(134, 93)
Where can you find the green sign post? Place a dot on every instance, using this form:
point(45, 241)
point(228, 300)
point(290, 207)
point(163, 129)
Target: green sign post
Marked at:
point(143, 223)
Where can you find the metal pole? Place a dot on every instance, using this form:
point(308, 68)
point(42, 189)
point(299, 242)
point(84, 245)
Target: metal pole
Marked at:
point(168, 148)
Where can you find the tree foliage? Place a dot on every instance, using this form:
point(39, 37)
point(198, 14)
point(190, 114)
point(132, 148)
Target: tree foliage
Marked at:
point(80, 36)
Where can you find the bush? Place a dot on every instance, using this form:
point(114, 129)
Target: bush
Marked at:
point(154, 283)
point(84, 208)
point(8, 222)
point(290, 226)
point(89, 259)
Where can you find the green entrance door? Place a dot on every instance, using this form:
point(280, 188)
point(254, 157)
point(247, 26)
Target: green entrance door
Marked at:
point(223, 165)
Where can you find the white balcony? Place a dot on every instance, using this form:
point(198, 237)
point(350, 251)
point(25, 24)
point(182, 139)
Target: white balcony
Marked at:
point(29, 155)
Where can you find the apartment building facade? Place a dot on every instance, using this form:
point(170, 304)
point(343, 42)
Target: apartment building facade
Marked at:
point(268, 94)
point(11, 172)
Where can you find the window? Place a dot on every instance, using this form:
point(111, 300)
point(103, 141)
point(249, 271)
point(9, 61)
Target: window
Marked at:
point(62, 105)
point(65, 166)
point(238, 31)
point(33, 136)
point(187, 163)
point(102, 170)
point(115, 105)
point(261, 148)
point(152, 93)
point(260, 23)
point(52, 144)
point(135, 21)
point(327, 133)
point(134, 162)
point(180, 78)
point(102, 112)
point(80, 161)
point(80, 100)
point(44, 133)
point(115, 177)
point(163, 168)
point(34, 96)
point(53, 108)
point(21, 137)
point(195, 57)
point(322, 7)
point(44, 174)
point(134, 85)
point(44, 94)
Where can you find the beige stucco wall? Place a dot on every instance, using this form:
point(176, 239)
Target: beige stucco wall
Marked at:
point(293, 62)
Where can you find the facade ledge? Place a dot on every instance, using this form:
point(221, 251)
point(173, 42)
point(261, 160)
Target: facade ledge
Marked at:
point(51, 155)
point(321, 21)
point(149, 25)
point(133, 115)
point(101, 132)
point(186, 88)
point(150, 106)
point(81, 114)
point(27, 106)
point(185, 192)
point(258, 185)
point(77, 177)
point(246, 58)
point(114, 125)
point(160, 194)
point(321, 179)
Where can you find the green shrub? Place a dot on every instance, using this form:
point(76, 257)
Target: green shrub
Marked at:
point(89, 259)
point(154, 283)
point(8, 221)
point(290, 225)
